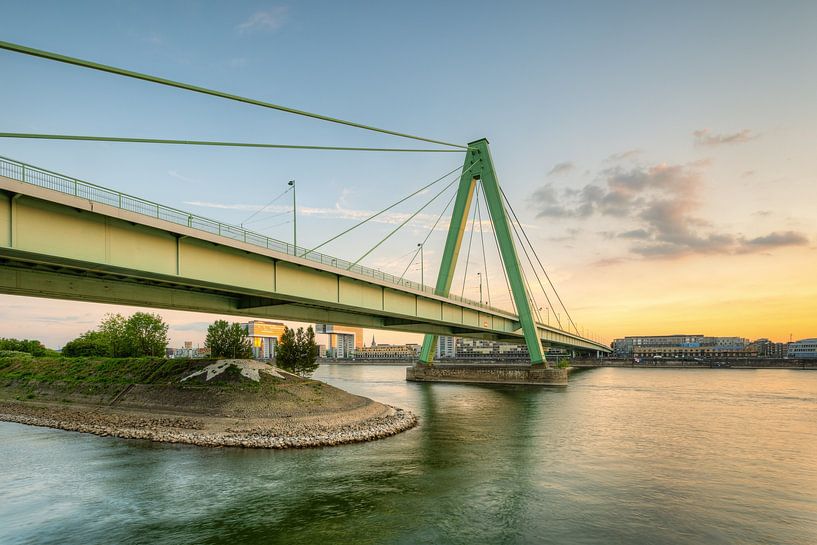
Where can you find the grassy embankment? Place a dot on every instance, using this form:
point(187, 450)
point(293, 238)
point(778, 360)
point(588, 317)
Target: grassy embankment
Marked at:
point(155, 384)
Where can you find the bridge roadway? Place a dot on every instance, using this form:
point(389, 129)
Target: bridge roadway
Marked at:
point(62, 238)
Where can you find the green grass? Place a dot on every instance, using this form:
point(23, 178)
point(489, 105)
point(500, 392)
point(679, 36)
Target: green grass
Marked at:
point(93, 370)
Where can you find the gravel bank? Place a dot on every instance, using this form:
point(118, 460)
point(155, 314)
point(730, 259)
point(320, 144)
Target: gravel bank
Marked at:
point(372, 421)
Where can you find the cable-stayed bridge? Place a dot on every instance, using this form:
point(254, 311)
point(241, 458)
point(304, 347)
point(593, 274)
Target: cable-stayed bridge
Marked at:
point(66, 238)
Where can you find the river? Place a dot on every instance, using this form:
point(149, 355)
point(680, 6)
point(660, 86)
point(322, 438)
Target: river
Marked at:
point(630, 456)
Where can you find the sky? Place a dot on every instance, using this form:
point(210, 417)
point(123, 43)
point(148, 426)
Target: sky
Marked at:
point(660, 155)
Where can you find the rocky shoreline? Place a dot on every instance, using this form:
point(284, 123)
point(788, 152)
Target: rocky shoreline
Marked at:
point(373, 421)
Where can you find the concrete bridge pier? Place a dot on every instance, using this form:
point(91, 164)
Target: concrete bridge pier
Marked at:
point(488, 374)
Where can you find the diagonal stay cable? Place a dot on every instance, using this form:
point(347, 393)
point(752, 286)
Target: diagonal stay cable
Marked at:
point(284, 192)
point(408, 219)
point(277, 214)
point(540, 262)
point(468, 254)
point(85, 138)
point(482, 240)
point(429, 234)
point(188, 87)
point(501, 261)
point(530, 262)
point(404, 199)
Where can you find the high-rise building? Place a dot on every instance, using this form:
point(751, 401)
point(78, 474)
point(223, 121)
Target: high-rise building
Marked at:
point(343, 341)
point(264, 337)
point(446, 347)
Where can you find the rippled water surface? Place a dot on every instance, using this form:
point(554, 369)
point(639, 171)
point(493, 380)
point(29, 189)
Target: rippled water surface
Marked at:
point(635, 456)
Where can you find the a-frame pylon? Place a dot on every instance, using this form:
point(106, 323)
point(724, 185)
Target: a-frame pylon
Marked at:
point(479, 166)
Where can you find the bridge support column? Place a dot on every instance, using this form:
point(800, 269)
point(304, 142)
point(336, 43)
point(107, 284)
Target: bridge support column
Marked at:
point(479, 167)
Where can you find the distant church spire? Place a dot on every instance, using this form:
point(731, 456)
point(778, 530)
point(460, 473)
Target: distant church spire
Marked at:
point(373, 343)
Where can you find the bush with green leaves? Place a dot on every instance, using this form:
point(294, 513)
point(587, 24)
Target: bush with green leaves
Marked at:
point(227, 340)
point(33, 347)
point(141, 334)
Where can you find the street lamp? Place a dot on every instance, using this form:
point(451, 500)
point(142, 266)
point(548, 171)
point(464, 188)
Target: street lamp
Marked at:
point(294, 221)
point(480, 288)
point(420, 245)
point(547, 309)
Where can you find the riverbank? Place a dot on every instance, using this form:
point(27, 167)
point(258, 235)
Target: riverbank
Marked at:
point(238, 403)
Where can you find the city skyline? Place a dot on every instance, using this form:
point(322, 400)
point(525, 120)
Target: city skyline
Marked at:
point(696, 213)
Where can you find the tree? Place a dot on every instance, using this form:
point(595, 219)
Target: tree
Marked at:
point(309, 353)
point(297, 351)
point(90, 343)
point(146, 334)
point(33, 347)
point(286, 353)
point(113, 329)
point(228, 340)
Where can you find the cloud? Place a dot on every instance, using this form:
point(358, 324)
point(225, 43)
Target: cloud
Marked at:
point(264, 21)
point(626, 154)
point(776, 239)
point(561, 168)
point(663, 200)
point(704, 137)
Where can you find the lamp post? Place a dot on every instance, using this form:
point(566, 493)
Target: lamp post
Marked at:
point(547, 309)
point(480, 288)
point(294, 221)
point(420, 245)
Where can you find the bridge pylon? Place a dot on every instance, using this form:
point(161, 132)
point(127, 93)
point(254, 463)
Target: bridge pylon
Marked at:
point(479, 167)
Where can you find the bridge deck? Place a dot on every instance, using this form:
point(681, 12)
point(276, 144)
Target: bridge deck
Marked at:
point(65, 238)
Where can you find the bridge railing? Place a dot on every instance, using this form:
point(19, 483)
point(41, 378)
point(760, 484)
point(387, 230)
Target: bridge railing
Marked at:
point(31, 174)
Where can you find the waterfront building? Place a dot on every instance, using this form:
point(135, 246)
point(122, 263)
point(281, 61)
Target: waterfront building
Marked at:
point(764, 348)
point(805, 348)
point(388, 352)
point(674, 346)
point(264, 337)
point(343, 341)
point(446, 347)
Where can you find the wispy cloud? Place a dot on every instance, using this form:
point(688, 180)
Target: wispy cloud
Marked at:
point(265, 21)
point(561, 168)
point(705, 137)
point(626, 154)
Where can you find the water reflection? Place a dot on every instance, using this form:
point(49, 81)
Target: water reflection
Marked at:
point(620, 456)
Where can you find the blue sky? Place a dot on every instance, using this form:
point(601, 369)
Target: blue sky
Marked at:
point(705, 111)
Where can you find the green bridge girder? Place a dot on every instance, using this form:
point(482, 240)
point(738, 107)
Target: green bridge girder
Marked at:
point(63, 246)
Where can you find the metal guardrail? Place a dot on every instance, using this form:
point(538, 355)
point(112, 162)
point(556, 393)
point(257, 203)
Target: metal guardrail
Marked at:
point(54, 181)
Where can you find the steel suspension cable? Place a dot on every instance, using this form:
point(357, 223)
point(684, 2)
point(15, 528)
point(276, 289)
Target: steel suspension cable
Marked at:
point(278, 214)
point(408, 219)
point(525, 250)
point(482, 240)
point(284, 192)
point(501, 261)
point(404, 199)
point(540, 262)
point(196, 89)
point(468, 254)
point(84, 138)
point(429, 234)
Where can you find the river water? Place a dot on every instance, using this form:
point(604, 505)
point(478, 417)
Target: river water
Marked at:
point(631, 456)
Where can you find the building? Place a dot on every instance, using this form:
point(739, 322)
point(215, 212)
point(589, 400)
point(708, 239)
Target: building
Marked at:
point(446, 347)
point(264, 337)
point(680, 346)
point(388, 352)
point(764, 348)
point(343, 341)
point(806, 348)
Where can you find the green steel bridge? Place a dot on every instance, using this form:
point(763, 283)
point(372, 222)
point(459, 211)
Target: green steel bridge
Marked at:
point(65, 238)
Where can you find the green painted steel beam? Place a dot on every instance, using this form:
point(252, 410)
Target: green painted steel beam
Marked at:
point(480, 155)
point(493, 196)
point(456, 229)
